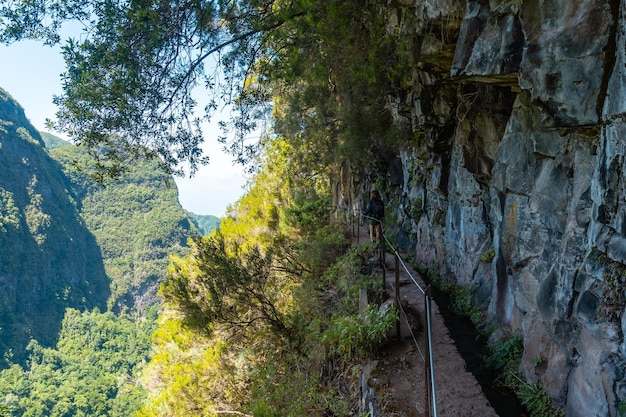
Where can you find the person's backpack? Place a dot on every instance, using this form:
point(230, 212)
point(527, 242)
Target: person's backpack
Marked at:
point(378, 209)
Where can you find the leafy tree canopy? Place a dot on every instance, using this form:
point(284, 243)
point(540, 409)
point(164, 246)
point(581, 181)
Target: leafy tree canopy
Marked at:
point(92, 371)
point(133, 71)
point(254, 321)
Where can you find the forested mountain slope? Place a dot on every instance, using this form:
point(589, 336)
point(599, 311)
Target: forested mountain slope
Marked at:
point(50, 259)
point(69, 241)
point(137, 222)
point(205, 223)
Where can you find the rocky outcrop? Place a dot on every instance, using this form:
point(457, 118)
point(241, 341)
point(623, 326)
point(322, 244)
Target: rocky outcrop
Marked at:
point(519, 107)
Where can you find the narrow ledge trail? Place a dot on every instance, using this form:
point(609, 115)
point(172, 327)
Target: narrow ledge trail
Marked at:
point(398, 374)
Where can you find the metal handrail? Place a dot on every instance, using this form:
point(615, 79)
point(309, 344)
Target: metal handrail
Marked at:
point(431, 377)
point(430, 387)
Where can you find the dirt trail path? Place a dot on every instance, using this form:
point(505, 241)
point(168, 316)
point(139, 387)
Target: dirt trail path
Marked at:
point(399, 375)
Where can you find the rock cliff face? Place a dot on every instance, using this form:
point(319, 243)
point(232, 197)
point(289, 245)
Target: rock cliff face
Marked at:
point(519, 109)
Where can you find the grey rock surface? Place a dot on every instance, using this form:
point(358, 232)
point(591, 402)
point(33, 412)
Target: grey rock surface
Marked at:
point(521, 153)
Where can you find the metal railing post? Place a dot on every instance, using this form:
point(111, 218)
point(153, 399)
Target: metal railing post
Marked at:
point(398, 295)
point(427, 370)
point(430, 378)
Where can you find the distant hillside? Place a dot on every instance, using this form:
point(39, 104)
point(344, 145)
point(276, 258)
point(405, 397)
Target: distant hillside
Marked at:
point(49, 259)
point(53, 142)
point(137, 222)
point(68, 241)
point(205, 223)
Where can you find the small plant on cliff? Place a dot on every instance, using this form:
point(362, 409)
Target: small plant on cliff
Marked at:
point(463, 304)
point(613, 300)
point(488, 256)
point(417, 210)
point(504, 359)
point(505, 355)
point(538, 360)
point(537, 401)
point(461, 298)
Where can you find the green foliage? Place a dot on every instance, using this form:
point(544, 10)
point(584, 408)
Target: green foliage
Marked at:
point(47, 252)
point(57, 360)
point(137, 222)
point(332, 339)
point(205, 223)
point(613, 300)
point(461, 299)
point(504, 359)
point(310, 215)
point(267, 372)
point(243, 276)
point(622, 408)
point(329, 66)
point(330, 86)
point(221, 285)
point(9, 212)
point(189, 375)
point(488, 256)
point(320, 248)
point(506, 355)
point(135, 71)
point(92, 371)
point(256, 310)
point(353, 337)
point(5, 411)
point(52, 142)
point(36, 219)
point(464, 305)
point(417, 210)
point(535, 399)
point(343, 280)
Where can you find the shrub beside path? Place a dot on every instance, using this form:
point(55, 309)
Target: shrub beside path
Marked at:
point(398, 374)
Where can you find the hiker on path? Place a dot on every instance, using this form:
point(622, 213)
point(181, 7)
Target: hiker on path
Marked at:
point(375, 213)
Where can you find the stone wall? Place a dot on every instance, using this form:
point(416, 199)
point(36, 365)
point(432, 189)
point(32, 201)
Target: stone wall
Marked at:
point(519, 113)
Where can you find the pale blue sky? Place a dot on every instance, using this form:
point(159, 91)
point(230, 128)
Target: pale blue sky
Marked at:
point(30, 72)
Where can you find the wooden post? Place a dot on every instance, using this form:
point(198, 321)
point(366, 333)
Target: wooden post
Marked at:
point(398, 295)
point(382, 257)
point(352, 222)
